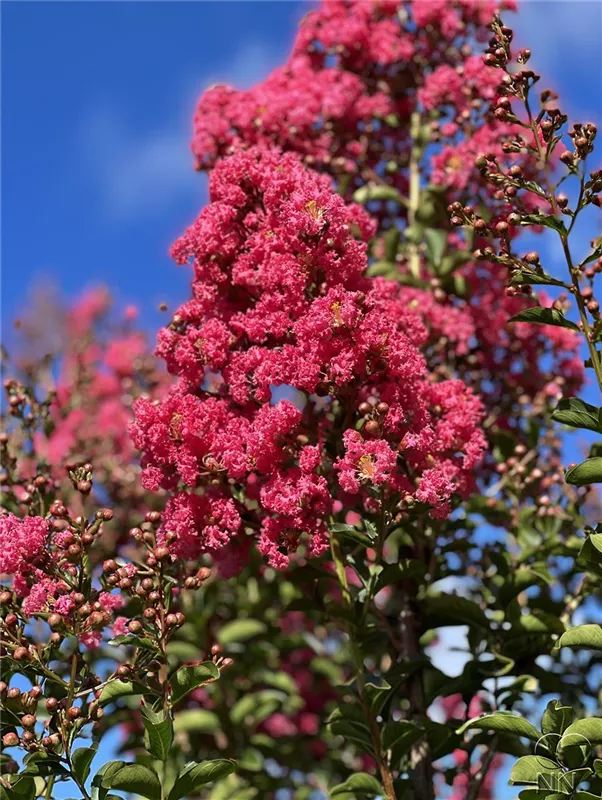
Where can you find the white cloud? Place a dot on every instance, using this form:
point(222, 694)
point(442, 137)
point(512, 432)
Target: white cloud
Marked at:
point(142, 175)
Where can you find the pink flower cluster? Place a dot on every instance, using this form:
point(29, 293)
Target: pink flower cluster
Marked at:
point(356, 69)
point(280, 298)
point(22, 543)
point(35, 553)
point(393, 58)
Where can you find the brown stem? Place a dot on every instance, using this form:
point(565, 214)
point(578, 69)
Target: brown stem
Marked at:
point(477, 779)
point(420, 756)
point(385, 772)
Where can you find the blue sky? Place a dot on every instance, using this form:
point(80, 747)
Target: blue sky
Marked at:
point(97, 100)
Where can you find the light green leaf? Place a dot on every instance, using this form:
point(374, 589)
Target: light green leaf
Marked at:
point(241, 630)
point(544, 316)
point(589, 729)
point(360, 784)
point(589, 471)
point(380, 268)
point(199, 720)
point(556, 718)
point(436, 240)
point(254, 708)
point(188, 678)
point(503, 722)
point(531, 769)
point(366, 193)
point(587, 636)
point(196, 775)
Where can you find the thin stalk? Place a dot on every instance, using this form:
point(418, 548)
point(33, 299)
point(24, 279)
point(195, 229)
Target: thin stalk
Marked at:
point(385, 772)
point(564, 239)
point(414, 189)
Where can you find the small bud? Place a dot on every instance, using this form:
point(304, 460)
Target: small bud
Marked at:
point(372, 428)
point(51, 705)
point(10, 740)
point(135, 626)
point(21, 654)
point(55, 620)
point(28, 720)
point(74, 713)
point(161, 554)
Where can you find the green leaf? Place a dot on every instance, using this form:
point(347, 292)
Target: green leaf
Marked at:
point(349, 532)
point(188, 678)
point(578, 414)
point(591, 551)
point(116, 689)
point(377, 696)
point(552, 222)
point(556, 718)
point(361, 783)
point(106, 772)
point(589, 729)
point(81, 760)
point(586, 636)
point(158, 736)
point(570, 780)
point(449, 609)
point(135, 778)
point(254, 708)
point(544, 316)
point(136, 641)
point(366, 193)
point(196, 775)
point(199, 720)
point(518, 581)
point(503, 722)
point(398, 737)
point(380, 268)
point(532, 769)
point(23, 788)
point(534, 279)
point(406, 568)
point(241, 630)
point(436, 240)
point(589, 471)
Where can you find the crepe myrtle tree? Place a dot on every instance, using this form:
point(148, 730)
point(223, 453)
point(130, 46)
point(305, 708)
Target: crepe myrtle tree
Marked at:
point(357, 445)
